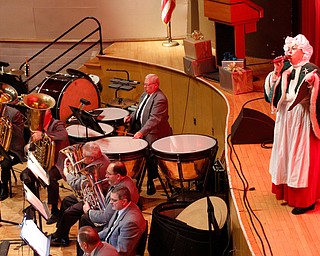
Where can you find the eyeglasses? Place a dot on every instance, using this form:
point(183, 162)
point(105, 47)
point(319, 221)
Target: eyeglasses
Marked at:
point(146, 84)
point(115, 200)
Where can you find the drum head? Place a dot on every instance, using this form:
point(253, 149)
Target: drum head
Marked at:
point(112, 114)
point(121, 145)
point(78, 131)
point(196, 215)
point(68, 91)
point(185, 145)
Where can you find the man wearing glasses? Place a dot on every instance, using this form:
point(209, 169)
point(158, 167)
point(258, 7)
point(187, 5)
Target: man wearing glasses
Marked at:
point(127, 224)
point(116, 175)
point(71, 206)
point(150, 122)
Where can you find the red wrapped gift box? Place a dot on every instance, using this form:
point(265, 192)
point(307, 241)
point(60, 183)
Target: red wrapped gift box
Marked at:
point(197, 49)
point(198, 67)
point(236, 82)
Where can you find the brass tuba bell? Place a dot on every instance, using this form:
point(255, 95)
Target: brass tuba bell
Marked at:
point(7, 95)
point(39, 103)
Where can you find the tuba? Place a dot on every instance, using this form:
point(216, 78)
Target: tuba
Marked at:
point(7, 94)
point(90, 189)
point(39, 103)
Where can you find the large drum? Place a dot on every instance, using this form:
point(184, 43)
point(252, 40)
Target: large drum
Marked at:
point(185, 157)
point(113, 117)
point(78, 133)
point(67, 91)
point(127, 150)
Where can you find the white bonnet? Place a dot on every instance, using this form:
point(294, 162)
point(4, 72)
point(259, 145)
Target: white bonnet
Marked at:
point(302, 43)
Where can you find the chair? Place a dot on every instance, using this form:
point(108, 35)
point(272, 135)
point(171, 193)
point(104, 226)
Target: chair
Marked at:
point(142, 242)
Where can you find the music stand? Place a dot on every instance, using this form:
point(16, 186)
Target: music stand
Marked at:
point(6, 156)
point(35, 238)
point(87, 120)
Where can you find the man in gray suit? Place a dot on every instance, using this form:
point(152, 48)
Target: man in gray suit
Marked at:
point(90, 243)
point(150, 121)
point(116, 175)
point(127, 224)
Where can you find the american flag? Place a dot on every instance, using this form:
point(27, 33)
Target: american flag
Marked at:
point(167, 7)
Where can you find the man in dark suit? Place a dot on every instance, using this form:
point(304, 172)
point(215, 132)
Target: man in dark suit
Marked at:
point(127, 224)
point(56, 130)
point(16, 151)
point(150, 121)
point(90, 243)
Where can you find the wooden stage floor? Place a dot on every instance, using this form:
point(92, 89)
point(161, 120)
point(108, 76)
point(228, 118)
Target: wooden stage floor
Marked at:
point(269, 225)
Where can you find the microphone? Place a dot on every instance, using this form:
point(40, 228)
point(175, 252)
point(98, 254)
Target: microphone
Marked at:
point(281, 58)
point(84, 102)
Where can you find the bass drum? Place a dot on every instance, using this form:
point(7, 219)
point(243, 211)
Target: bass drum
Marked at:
point(67, 91)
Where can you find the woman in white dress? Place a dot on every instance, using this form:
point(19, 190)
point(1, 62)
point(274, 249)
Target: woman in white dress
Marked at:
point(292, 89)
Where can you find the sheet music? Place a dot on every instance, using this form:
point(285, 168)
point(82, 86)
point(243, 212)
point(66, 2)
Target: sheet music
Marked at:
point(37, 169)
point(31, 234)
point(42, 207)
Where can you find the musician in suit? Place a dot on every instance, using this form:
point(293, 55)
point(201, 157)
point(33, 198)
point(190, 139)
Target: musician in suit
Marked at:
point(72, 206)
point(150, 121)
point(116, 175)
point(127, 224)
point(16, 151)
point(293, 91)
point(56, 130)
point(90, 243)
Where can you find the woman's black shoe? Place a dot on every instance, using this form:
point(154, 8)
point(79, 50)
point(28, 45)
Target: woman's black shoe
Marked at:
point(297, 210)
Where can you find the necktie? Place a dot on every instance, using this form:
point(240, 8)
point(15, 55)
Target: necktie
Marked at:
point(141, 108)
point(112, 226)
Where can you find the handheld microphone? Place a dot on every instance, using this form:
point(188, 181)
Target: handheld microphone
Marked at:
point(281, 58)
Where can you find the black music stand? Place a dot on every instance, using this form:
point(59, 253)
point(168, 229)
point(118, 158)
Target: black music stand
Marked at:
point(87, 120)
point(6, 156)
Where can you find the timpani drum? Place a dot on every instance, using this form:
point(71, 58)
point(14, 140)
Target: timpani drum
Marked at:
point(67, 91)
point(127, 150)
point(184, 157)
point(78, 133)
point(113, 117)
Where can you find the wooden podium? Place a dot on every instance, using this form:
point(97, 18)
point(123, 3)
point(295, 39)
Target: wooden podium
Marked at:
point(234, 19)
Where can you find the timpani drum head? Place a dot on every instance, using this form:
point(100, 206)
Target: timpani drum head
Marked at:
point(78, 131)
point(109, 115)
point(126, 149)
point(193, 152)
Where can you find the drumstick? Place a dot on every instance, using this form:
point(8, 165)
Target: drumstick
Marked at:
point(126, 133)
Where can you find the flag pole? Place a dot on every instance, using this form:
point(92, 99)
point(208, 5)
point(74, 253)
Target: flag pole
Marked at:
point(169, 43)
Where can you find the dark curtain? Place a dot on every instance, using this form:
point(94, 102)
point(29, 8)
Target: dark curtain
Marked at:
point(310, 24)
